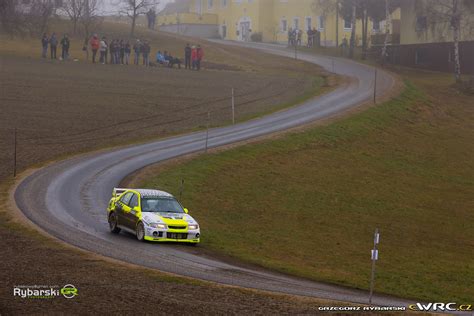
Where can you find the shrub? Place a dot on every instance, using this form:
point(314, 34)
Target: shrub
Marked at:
point(256, 37)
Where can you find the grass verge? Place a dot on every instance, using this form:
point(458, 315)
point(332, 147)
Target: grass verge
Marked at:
point(308, 203)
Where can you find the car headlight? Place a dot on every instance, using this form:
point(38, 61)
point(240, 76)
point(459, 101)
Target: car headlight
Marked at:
point(193, 227)
point(158, 225)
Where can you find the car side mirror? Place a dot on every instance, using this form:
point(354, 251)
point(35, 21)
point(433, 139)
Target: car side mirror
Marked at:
point(186, 210)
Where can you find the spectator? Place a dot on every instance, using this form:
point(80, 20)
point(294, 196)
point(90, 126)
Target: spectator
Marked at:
point(112, 51)
point(194, 57)
point(309, 33)
point(160, 59)
point(44, 43)
point(127, 51)
point(95, 45)
point(122, 52)
point(53, 43)
point(290, 34)
point(172, 60)
point(146, 53)
point(103, 49)
point(65, 47)
point(187, 57)
point(106, 54)
point(299, 34)
point(200, 56)
point(137, 48)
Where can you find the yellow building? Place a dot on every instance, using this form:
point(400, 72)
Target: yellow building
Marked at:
point(272, 19)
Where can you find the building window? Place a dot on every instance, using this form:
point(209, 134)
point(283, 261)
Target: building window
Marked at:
point(296, 23)
point(210, 3)
point(224, 3)
point(321, 22)
point(421, 23)
point(308, 23)
point(376, 26)
point(347, 24)
point(284, 25)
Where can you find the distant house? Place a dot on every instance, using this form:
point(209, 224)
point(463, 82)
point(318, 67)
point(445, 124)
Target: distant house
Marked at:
point(270, 19)
point(428, 43)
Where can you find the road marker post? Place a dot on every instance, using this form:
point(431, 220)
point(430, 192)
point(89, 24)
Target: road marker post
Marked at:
point(233, 107)
point(207, 129)
point(14, 153)
point(375, 86)
point(333, 67)
point(375, 257)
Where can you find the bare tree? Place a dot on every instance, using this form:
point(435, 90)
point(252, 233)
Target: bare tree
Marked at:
point(134, 8)
point(457, 15)
point(74, 9)
point(12, 19)
point(90, 18)
point(39, 14)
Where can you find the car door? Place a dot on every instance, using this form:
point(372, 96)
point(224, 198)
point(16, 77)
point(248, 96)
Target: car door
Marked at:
point(132, 214)
point(123, 209)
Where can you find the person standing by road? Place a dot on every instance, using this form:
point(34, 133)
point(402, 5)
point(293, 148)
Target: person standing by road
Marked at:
point(127, 51)
point(65, 47)
point(95, 45)
point(200, 56)
point(137, 48)
point(146, 53)
point(122, 51)
point(187, 57)
point(44, 43)
point(194, 57)
point(103, 49)
point(53, 45)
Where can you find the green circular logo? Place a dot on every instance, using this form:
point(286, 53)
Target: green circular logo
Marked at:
point(69, 291)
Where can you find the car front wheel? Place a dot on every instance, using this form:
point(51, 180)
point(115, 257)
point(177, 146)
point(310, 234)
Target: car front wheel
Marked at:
point(140, 231)
point(113, 224)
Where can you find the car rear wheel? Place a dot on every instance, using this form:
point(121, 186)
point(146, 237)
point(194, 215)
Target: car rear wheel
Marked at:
point(140, 231)
point(113, 224)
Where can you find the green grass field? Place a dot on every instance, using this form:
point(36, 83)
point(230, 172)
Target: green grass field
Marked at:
point(308, 203)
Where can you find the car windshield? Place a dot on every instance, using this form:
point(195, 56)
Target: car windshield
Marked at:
point(162, 204)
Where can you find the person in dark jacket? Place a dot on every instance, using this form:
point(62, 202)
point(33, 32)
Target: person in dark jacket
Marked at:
point(127, 52)
point(146, 53)
point(65, 47)
point(122, 51)
point(187, 56)
point(53, 45)
point(137, 48)
point(44, 44)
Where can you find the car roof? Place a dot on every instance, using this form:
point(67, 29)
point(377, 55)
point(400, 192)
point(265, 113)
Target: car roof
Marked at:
point(148, 193)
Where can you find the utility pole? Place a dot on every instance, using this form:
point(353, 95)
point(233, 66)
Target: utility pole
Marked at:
point(14, 153)
point(233, 107)
point(337, 23)
point(375, 257)
point(296, 50)
point(207, 130)
point(375, 86)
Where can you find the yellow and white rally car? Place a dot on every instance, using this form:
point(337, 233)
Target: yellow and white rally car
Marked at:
point(151, 215)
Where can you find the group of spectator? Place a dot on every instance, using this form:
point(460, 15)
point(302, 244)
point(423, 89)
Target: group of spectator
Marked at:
point(295, 37)
point(52, 43)
point(119, 51)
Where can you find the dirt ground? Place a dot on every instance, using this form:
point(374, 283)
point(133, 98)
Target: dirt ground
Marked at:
point(63, 108)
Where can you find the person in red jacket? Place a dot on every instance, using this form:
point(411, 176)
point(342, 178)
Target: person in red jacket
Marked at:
point(200, 56)
point(194, 56)
point(95, 44)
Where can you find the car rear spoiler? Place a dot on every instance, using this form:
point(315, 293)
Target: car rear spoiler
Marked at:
point(117, 191)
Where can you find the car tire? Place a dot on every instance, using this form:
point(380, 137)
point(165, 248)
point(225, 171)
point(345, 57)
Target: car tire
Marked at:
point(113, 223)
point(140, 231)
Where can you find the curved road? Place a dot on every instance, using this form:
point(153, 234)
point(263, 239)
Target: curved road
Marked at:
point(68, 199)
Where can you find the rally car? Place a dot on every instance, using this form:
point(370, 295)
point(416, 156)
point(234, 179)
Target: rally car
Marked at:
point(151, 215)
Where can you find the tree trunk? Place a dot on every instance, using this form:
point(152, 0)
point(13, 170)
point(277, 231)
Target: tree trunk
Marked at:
point(353, 33)
point(337, 23)
point(134, 17)
point(365, 23)
point(456, 23)
point(388, 22)
point(75, 26)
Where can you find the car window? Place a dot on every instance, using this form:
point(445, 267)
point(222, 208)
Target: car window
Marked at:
point(134, 201)
point(126, 198)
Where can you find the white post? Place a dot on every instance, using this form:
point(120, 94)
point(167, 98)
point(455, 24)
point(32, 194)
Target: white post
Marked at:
point(207, 130)
point(375, 257)
point(233, 107)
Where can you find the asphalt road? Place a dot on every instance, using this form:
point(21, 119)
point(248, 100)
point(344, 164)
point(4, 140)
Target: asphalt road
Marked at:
point(68, 199)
